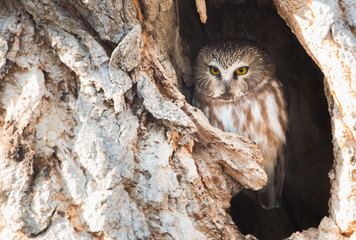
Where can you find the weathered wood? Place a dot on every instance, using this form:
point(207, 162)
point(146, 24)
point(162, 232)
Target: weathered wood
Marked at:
point(326, 29)
point(113, 148)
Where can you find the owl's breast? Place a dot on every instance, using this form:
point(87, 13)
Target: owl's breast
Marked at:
point(231, 117)
point(260, 116)
point(222, 116)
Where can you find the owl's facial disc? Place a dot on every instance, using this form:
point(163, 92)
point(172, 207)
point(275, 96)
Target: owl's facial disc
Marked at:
point(231, 68)
point(229, 82)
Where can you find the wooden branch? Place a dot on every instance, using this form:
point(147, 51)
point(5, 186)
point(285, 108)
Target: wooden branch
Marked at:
point(201, 8)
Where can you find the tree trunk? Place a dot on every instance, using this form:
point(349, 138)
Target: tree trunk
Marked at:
point(327, 31)
point(98, 138)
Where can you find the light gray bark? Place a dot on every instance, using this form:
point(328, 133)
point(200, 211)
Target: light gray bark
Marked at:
point(97, 140)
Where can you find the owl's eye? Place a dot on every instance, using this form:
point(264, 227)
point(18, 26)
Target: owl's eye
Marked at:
point(241, 70)
point(214, 70)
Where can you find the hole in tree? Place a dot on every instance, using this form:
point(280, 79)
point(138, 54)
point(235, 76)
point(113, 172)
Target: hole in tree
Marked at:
point(307, 186)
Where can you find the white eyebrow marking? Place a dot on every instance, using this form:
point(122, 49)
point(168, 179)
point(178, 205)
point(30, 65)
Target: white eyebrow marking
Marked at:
point(234, 66)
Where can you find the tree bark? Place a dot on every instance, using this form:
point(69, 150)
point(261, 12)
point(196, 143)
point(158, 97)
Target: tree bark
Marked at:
point(327, 31)
point(97, 140)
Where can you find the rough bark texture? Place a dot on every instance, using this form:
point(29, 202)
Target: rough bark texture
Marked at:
point(97, 141)
point(327, 30)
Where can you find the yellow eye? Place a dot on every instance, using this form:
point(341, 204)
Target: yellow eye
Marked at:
point(241, 70)
point(214, 70)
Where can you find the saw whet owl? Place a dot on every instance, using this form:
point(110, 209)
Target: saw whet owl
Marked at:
point(236, 88)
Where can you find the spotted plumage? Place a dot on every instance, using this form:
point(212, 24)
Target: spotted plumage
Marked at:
point(236, 88)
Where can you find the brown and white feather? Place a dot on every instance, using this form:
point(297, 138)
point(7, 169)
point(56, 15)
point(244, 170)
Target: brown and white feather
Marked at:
point(253, 105)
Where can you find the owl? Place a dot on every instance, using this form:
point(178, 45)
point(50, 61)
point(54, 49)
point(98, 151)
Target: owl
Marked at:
point(236, 88)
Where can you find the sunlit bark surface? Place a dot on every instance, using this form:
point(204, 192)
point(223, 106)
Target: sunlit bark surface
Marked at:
point(327, 30)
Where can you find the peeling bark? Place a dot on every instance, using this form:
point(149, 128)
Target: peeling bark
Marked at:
point(201, 8)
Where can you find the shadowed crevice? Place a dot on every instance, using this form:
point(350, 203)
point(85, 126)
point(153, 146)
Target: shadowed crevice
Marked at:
point(307, 186)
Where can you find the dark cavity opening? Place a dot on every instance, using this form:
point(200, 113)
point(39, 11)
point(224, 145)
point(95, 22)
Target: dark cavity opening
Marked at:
point(307, 186)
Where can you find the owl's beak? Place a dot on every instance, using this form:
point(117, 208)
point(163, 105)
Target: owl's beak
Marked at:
point(227, 95)
point(227, 87)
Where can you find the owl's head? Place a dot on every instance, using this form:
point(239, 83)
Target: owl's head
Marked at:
point(231, 68)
